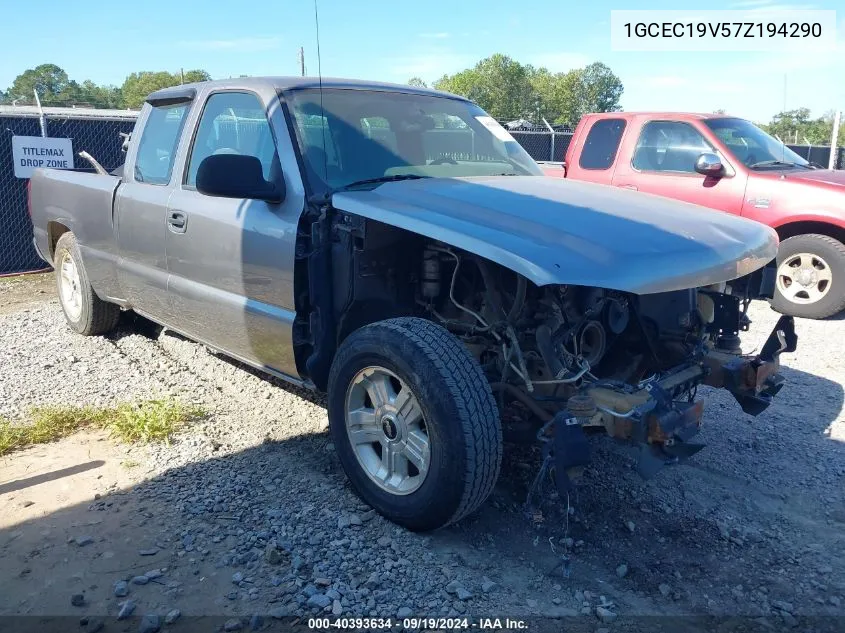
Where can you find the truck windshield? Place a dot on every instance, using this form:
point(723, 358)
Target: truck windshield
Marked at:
point(355, 135)
point(753, 146)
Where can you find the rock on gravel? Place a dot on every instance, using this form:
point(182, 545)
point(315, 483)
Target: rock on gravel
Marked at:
point(121, 589)
point(93, 625)
point(172, 616)
point(150, 623)
point(463, 594)
point(319, 600)
point(279, 613)
point(126, 609)
point(273, 555)
point(605, 615)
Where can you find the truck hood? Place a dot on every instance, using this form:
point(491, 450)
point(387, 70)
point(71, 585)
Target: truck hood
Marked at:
point(835, 178)
point(556, 231)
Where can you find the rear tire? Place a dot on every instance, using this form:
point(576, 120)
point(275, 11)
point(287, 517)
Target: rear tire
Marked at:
point(452, 427)
point(84, 311)
point(810, 277)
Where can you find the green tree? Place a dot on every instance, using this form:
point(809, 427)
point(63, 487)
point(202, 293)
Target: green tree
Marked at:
point(510, 90)
point(96, 96)
point(558, 95)
point(195, 76)
point(47, 79)
point(599, 90)
point(417, 82)
point(499, 84)
point(796, 126)
point(138, 85)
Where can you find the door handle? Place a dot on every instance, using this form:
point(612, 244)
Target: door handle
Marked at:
point(177, 221)
point(631, 187)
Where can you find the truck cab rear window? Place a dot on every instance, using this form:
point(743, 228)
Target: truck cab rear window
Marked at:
point(157, 147)
point(601, 144)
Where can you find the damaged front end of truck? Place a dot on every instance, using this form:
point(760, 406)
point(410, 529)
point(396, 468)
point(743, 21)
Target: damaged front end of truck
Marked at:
point(587, 309)
point(576, 360)
point(660, 416)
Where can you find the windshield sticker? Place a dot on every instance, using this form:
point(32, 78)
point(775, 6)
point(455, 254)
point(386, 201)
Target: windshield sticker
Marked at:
point(498, 131)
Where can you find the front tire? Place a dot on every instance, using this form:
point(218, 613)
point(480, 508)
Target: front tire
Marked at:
point(414, 422)
point(84, 311)
point(810, 277)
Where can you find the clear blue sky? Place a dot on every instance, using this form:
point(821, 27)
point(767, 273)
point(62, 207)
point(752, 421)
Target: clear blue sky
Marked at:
point(395, 40)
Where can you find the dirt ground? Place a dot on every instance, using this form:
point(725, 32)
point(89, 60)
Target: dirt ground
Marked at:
point(751, 530)
point(22, 291)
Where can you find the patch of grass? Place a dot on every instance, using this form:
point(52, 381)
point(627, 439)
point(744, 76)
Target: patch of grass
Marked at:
point(148, 421)
point(44, 428)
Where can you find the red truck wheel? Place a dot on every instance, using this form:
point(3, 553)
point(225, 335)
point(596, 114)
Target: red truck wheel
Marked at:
point(810, 277)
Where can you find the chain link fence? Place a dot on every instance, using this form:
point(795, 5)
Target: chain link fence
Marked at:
point(820, 154)
point(542, 141)
point(94, 131)
point(545, 146)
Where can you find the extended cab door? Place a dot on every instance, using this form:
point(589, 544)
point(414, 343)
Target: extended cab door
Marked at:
point(660, 159)
point(595, 147)
point(231, 260)
point(141, 206)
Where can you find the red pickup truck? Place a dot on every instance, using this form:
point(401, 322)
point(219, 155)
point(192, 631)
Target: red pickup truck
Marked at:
point(731, 165)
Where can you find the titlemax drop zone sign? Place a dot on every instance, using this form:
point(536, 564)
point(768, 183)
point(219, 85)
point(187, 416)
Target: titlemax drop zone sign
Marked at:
point(31, 152)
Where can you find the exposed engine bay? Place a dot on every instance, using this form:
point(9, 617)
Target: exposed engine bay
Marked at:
point(575, 360)
point(581, 359)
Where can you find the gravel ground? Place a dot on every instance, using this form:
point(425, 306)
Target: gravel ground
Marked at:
point(248, 511)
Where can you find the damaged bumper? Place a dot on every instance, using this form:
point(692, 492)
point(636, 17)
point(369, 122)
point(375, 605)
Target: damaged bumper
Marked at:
point(658, 425)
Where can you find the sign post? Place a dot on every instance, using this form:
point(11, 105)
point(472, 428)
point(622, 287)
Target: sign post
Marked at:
point(31, 152)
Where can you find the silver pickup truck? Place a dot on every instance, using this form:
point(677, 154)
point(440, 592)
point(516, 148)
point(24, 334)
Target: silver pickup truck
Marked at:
point(396, 248)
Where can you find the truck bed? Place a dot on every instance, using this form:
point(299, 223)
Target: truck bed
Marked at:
point(81, 201)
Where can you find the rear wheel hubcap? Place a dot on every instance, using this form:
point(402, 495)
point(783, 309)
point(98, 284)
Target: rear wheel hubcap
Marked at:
point(71, 287)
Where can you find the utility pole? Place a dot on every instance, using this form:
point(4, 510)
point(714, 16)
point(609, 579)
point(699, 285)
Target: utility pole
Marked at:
point(833, 138)
point(302, 60)
point(182, 75)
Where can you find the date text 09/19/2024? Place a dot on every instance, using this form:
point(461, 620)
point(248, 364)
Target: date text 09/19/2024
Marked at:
point(412, 623)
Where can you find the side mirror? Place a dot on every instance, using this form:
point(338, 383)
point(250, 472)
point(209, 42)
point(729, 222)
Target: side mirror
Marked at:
point(237, 176)
point(709, 164)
